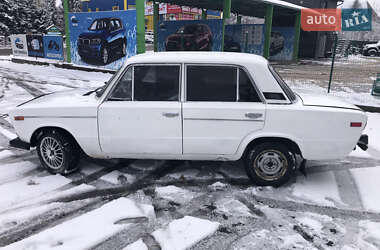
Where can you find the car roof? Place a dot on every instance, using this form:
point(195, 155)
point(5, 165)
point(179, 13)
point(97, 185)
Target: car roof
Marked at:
point(199, 57)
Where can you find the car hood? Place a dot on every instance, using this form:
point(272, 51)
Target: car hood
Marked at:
point(325, 101)
point(70, 98)
point(374, 45)
point(92, 34)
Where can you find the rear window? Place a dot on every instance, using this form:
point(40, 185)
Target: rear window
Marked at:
point(287, 90)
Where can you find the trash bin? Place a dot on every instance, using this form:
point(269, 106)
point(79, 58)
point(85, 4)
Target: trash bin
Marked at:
point(376, 86)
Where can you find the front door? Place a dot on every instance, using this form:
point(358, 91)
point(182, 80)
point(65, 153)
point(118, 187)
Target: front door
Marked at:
point(222, 107)
point(142, 115)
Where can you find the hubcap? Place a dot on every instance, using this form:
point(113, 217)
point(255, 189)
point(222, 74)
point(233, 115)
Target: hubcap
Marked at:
point(105, 55)
point(51, 152)
point(270, 165)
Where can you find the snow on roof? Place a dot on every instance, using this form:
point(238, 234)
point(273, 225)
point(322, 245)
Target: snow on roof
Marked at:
point(282, 4)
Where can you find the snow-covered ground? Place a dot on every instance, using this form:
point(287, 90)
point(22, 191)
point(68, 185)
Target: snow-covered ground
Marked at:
point(120, 204)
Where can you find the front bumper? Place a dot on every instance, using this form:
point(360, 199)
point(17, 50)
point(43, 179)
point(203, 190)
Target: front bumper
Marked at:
point(363, 142)
point(18, 143)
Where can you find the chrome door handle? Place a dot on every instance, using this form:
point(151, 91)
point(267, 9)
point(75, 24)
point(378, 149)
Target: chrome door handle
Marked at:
point(253, 115)
point(170, 115)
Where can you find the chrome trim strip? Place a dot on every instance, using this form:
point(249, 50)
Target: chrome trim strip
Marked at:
point(89, 117)
point(219, 119)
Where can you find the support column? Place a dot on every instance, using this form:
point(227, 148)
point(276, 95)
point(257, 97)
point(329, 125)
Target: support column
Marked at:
point(238, 21)
point(125, 4)
point(204, 14)
point(268, 29)
point(67, 30)
point(140, 26)
point(156, 9)
point(297, 34)
point(226, 14)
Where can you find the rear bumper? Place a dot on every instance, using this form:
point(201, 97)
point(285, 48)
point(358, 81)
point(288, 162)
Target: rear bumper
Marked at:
point(363, 142)
point(18, 143)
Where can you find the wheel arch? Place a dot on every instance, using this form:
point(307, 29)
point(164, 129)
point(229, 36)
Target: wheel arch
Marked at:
point(40, 131)
point(291, 144)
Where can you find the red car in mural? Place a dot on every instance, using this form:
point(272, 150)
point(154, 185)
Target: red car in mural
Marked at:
point(191, 37)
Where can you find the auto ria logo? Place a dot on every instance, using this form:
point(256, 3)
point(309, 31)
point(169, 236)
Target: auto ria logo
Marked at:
point(336, 19)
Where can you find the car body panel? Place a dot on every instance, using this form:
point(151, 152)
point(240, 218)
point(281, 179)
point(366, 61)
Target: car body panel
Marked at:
point(319, 125)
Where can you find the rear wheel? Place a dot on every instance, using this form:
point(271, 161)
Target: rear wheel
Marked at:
point(269, 164)
point(124, 48)
point(58, 153)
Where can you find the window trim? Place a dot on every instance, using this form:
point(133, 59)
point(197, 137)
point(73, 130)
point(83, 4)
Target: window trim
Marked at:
point(133, 80)
point(238, 67)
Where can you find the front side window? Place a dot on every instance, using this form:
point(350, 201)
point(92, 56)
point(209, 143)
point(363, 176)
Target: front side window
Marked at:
point(156, 83)
point(211, 83)
point(123, 90)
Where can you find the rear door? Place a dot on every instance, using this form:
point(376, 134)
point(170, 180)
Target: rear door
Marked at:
point(222, 107)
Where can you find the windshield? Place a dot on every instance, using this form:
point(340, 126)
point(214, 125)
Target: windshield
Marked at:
point(288, 91)
point(98, 25)
point(100, 91)
point(189, 29)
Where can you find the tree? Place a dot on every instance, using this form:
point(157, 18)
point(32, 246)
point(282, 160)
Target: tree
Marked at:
point(75, 6)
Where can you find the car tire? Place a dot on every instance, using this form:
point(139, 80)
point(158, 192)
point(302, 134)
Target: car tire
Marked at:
point(372, 52)
point(105, 55)
point(58, 153)
point(124, 48)
point(269, 164)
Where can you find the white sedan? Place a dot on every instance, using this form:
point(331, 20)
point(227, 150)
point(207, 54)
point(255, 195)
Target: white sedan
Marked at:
point(191, 106)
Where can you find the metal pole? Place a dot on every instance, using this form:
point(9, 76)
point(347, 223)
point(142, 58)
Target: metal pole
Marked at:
point(204, 14)
point(140, 23)
point(67, 30)
point(268, 30)
point(297, 34)
point(238, 21)
point(155, 25)
point(226, 14)
point(332, 63)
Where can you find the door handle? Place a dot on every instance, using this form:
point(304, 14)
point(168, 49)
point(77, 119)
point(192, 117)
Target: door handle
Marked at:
point(253, 115)
point(170, 115)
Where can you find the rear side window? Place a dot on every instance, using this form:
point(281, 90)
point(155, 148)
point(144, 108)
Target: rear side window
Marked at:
point(247, 93)
point(211, 83)
point(156, 83)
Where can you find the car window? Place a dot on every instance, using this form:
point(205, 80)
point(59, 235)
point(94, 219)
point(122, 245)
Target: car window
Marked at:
point(292, 97)
point(112, 25)
point(247, 93)
point(118, 23)
point(156, 83)
point(211, 83)
point(123, 90)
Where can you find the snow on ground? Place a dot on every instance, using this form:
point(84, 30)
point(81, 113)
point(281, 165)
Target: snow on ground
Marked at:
point(231, 207)
point(12, 171)
point(138, 245)
point(29, 187)
point(373, 130)
point(367, 181)
point(175, 194)
point(117, 178)
point(369, 235)
point(5, 154)
point(86, 230)
point(360, 153)
point(319, 188)
point(7, 133)
point(183, 233)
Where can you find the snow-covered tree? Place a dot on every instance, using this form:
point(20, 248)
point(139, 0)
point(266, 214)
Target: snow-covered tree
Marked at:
point(75, 5)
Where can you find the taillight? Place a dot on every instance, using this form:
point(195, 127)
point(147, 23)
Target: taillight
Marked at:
point(19, 118)
point(356, 124)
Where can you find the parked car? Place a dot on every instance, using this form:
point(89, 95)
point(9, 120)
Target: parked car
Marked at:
point(191, 106)
point(230, 45)
point(105, 38)
point(277, 42)
point(191, 37)
point(372, 49)
point(149, 37)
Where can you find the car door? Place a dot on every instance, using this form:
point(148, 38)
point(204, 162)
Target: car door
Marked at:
point(222, 107)
point(142, 114)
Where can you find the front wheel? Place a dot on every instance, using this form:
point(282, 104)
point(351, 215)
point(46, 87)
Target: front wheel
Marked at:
point(269, 164)
point(105, 55)
point(58, 153)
